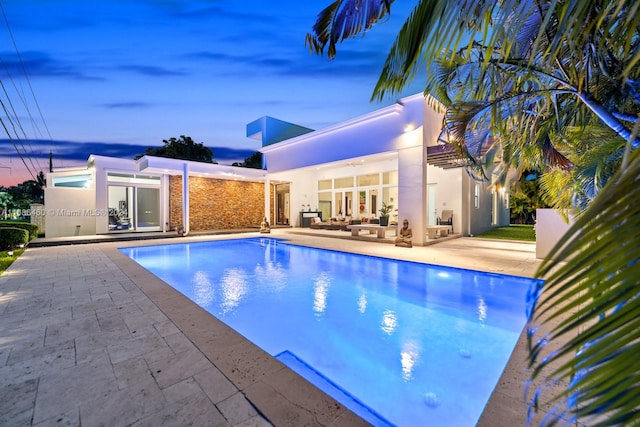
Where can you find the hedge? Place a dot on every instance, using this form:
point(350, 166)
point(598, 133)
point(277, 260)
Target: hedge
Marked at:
point(32, 229)
point(12, 237)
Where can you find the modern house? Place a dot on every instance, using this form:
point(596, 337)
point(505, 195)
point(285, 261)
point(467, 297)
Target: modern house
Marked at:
point(113, 195)
point(392, 155)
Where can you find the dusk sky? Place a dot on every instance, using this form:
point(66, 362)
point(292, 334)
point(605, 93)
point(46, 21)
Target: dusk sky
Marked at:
point(112, 78)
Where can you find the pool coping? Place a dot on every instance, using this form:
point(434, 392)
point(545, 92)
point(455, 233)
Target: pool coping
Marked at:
point(279, 394)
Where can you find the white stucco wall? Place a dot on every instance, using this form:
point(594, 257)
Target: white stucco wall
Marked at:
point(378, 132)
point(550, 229)
point(412, 191)
point(480, 218)
point(399, 134)
point(70, 211)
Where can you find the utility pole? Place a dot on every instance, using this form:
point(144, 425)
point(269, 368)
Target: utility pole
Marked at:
point(50, 161)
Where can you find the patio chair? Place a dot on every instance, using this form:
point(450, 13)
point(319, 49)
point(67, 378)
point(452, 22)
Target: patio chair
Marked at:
point(446, 219)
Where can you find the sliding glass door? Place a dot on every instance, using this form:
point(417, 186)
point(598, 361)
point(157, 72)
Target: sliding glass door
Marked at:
point(133, 203)
point(120, 202)
point(148, 208)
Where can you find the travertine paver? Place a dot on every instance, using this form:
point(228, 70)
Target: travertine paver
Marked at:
point(81, 344)
point(87, 337)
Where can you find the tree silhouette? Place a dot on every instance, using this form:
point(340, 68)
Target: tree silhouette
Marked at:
point(183, 148)
point(253, 161)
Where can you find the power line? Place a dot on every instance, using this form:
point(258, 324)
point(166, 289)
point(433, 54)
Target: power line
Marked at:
point(18, 138)
point(17, 118)
point(30, 88)
point(15, 114)
point(24, 70)
point(18, 151)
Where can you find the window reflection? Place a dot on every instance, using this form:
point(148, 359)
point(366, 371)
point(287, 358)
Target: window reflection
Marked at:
point(389, 322)
point(320, 293)
point(408, 358)
point(362, 302)
point(482, 309)
point(272, 275)
point(203, 290)
point(234, 287)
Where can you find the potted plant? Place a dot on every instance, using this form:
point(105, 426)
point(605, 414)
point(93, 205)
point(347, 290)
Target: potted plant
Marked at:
point(385, 210)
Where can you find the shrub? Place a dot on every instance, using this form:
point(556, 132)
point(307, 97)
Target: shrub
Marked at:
point(32, 229)
point(6, 260)
point(12, 237)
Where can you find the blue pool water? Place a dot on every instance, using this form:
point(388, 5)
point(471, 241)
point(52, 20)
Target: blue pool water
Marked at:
point(397, 342)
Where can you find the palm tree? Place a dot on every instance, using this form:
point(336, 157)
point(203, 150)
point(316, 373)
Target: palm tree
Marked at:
point(554, 82)
point(597, 33)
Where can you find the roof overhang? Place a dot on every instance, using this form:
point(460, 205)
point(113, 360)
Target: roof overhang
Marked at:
point(166, 166)
point(162, 165)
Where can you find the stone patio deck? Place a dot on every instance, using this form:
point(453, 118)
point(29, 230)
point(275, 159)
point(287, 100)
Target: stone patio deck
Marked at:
point(88, 337)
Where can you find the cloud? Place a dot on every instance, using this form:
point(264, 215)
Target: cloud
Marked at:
point(71, 150)
point(190, 11)
point(126, 105)
point(40, 64)
point(75, 151)
point(150, 70)
point(352, 63)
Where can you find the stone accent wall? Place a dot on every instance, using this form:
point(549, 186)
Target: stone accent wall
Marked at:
point(217, 204)
point(175, 201)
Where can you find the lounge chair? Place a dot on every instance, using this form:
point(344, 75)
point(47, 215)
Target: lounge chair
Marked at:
point(446, 219)
point(117, 223)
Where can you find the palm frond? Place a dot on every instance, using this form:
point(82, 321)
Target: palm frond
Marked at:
point(400, 65)
point(553, 157)
point(594, 301)
point(615, 22)
point(344, 19)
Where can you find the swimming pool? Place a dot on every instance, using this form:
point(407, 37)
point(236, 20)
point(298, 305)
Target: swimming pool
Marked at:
point(397, 342)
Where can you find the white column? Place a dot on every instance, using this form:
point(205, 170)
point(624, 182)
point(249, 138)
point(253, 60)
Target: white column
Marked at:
point(412, 191)
point(101, 182)
point(185, 198)
point(267, 199)
point(164, 200)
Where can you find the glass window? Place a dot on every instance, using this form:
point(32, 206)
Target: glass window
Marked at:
point(343, 182)
point(390, 196)
point(120, 207)
point(148, 207)
point(339, 203)
point(348, 203)
point(373, 202)
point(324, 184)
point(73, 181)
point(390, 177)
point(324, 204)
point(476, 196)
point(139, 179)
point(368, 180)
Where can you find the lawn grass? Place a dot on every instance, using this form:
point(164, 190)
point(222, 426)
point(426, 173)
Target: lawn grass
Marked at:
point(6, 260)
point(512, 232)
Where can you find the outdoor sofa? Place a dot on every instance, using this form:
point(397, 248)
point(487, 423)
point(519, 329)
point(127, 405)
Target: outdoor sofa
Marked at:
point(333, 223)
